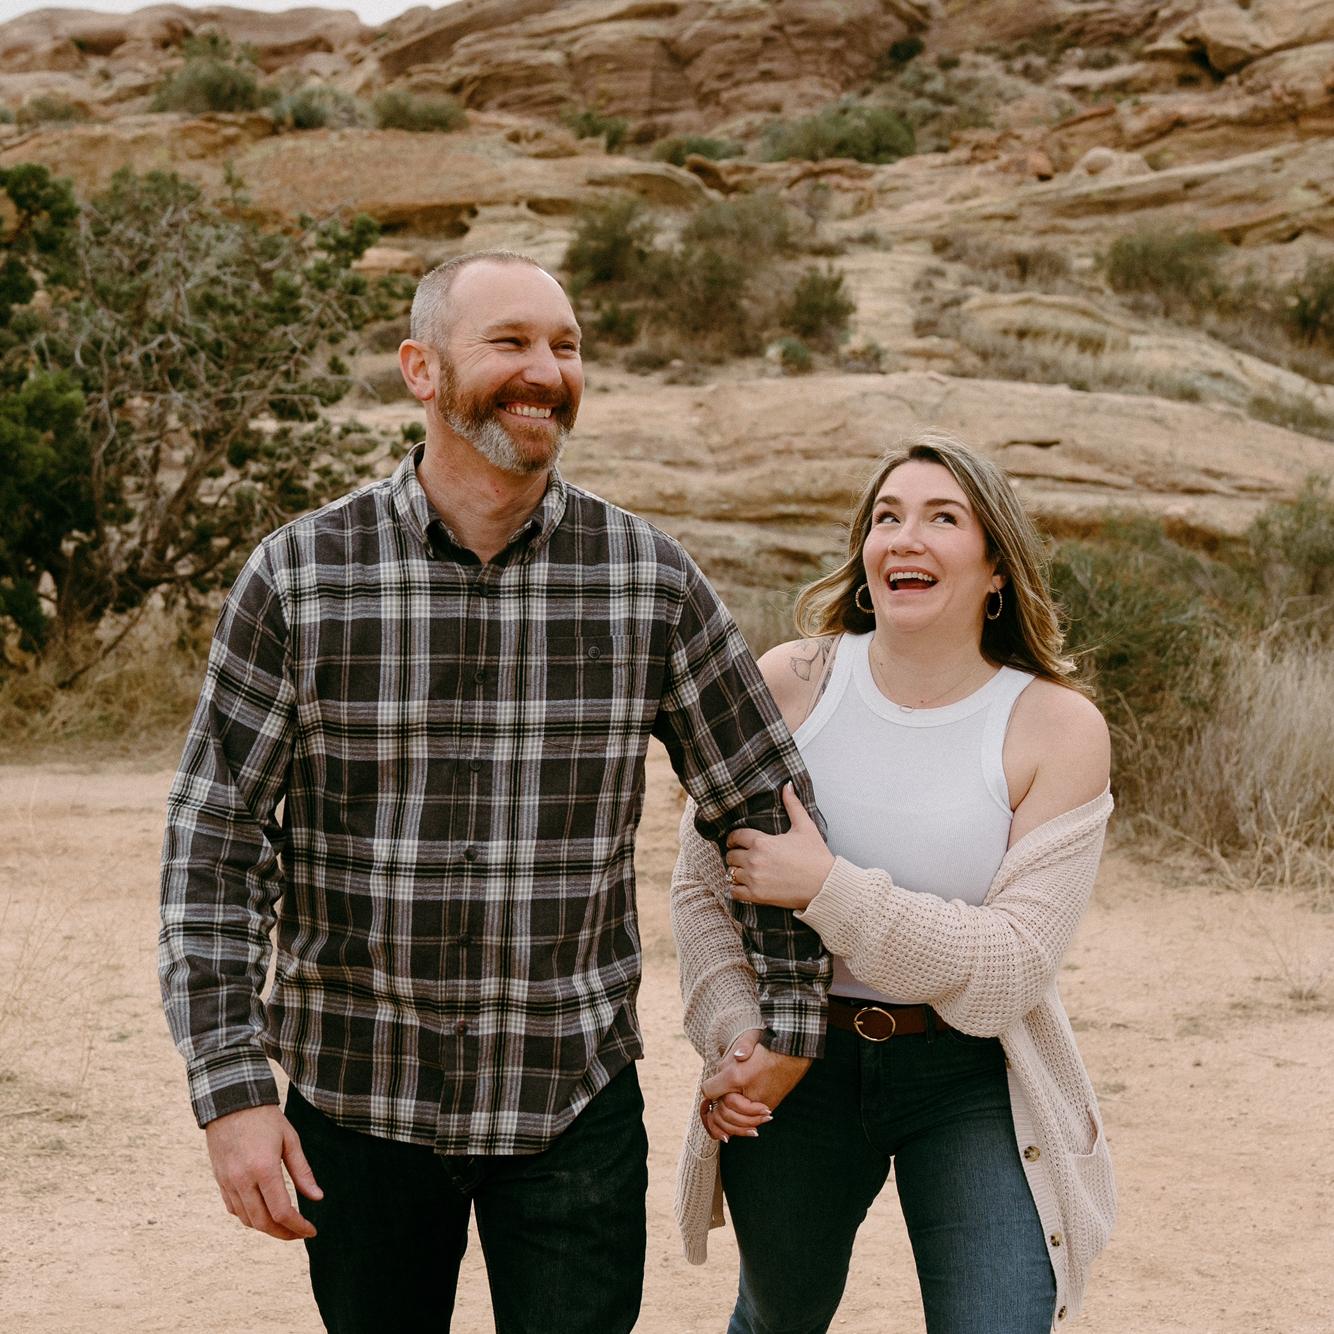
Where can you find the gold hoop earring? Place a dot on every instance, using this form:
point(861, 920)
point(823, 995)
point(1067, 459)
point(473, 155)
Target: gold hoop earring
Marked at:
point(1000, 602)
point(857, 600)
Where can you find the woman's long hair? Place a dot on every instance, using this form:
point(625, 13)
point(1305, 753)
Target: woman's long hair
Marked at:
point(1027, 634)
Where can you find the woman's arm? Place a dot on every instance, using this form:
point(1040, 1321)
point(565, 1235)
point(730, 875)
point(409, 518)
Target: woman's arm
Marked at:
point(982, 967)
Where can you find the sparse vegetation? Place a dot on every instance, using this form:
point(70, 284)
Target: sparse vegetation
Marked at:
point(849, 129)
point(794, 356)
point(215, 77)
point(720, 291)
point(1179, 268)
point(50, 109)
point(1220, 668)
point(676, 149)
point(314, 107)
point(398, 109)
point(589, 123)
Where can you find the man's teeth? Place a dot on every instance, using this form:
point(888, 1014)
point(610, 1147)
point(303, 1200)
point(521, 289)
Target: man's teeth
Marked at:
point(527, 410)
point(913, 576)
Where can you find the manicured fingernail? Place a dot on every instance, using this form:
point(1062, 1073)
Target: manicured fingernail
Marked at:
point(754, 1134)
point(769, 1118)
point(727, 1139)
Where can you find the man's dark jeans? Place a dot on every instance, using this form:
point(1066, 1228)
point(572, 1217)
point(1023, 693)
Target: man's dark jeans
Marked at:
point(562, 1230)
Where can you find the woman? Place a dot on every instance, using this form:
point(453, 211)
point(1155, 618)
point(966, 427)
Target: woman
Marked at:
point(963, 780)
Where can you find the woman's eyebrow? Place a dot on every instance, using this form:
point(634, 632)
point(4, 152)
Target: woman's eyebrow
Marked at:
point(943, 500)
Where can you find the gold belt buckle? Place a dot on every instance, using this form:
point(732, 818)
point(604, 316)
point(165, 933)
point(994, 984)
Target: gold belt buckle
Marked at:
point(873, 1009)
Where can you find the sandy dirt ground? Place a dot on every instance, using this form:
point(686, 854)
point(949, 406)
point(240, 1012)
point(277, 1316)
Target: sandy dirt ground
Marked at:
point(1217, 1087)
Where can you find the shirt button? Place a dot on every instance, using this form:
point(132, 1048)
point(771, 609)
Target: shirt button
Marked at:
point(470, 855)
point(1031, 1154)
point(463, 939)
point(482, 590)
point(479, 676)
point(475, 765)
point(461, 1027)
point(594, 651)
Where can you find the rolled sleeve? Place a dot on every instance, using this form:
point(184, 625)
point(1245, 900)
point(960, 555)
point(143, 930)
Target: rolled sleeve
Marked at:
point(733, 753)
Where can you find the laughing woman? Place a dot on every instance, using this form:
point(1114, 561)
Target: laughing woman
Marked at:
point(963, 780)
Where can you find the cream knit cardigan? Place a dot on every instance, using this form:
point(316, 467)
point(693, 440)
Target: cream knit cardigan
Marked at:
point(989, 970)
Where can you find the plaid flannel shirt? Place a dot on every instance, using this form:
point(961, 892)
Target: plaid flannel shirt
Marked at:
point(457, 749)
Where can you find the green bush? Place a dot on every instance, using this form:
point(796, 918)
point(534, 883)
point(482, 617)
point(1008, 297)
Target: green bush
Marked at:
point(676, 149)
point(755, 225)
point(1290, 551)
point(1309, 301)
point(398, 109)
point(47, 109)
point(6, 116)
point(616, 324)
point(1179, 268)
point(906, 49)
point(794, 356)
point(314, 107)
point(215, 77)
point(589, 123)
point(705, 294)
point(819, 308)
point(149, 462)
point(847, 130)
point(611, 242)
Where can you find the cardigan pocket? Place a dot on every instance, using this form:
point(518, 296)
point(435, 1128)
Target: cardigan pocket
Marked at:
point(1094, 1185)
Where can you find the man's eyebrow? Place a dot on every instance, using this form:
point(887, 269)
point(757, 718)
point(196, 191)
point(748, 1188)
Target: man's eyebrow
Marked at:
point(517, 325)
point(943, 500)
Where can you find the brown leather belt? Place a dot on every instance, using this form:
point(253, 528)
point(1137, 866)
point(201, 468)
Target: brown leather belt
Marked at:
point(879, 1023)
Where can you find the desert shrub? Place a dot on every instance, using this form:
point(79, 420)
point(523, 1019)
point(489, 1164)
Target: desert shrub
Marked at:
point(314, 107)
point(679, 147)
point(215, 77)
point(706, 295)
point(1001, 266)
point(1293, 412)
point(398, 109)
point(794, 356)
point(612, 240)
point(617, 324)
point(819, 308)
point(1309, 302)
point(1177, 267)
point(47, 109)
point(6, 116)
point(905, 49)
point(757, 225)
point(163, 412)
point(1290, 553)
point(856, 130)
point(589, 123)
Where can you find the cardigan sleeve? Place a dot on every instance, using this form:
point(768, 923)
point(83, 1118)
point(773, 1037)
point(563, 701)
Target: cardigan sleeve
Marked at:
point(718, 984)
point(982, 968)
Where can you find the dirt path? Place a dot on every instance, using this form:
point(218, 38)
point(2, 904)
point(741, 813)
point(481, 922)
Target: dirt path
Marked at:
point(1218, 1092)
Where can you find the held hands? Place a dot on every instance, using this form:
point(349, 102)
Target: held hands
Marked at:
point(248, 1149)
point(744, 1090)
point(785, 870)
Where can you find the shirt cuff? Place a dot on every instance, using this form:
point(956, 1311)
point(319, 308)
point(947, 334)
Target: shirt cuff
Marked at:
point(230, 1081)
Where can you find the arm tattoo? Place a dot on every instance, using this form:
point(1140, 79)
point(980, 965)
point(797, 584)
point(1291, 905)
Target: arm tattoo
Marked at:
point(805, 665)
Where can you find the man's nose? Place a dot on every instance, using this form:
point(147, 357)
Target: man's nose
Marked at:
point(540, 367)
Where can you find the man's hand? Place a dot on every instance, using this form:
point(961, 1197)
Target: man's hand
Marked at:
point(248, 1149)
point(742, 1093)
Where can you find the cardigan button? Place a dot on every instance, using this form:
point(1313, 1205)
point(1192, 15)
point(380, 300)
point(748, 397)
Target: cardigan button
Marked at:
point(1055, 1239)
point(1060, 1315)
point(1032, 1153)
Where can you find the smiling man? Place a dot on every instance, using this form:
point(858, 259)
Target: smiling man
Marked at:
point(448, 681)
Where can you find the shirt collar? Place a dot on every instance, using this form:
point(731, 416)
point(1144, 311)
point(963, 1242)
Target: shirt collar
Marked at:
point(417, 514)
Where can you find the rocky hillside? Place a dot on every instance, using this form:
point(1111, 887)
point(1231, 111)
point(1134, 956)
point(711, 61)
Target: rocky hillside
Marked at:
point(1046, 130)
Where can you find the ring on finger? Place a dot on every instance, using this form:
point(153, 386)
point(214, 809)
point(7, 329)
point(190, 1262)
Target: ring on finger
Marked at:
point(731, 875)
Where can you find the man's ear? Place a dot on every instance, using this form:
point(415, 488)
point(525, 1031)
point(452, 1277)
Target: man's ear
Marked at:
point(415, 362)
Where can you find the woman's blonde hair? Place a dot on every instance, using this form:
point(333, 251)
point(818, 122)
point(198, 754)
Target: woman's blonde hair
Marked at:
point(1027, 634)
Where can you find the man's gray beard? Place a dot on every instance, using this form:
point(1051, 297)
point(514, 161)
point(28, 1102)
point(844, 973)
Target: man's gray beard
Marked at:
point(495, 444)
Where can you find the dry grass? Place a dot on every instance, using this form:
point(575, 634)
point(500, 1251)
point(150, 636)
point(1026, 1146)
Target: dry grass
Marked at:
point(1256, 786)
point(135, 704)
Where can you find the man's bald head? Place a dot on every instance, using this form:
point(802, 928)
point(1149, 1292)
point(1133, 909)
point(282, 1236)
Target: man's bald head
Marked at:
point(432, 317)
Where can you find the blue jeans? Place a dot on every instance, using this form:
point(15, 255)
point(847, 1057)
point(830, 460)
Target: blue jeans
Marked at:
point(937, 1107)
point(563, 1230)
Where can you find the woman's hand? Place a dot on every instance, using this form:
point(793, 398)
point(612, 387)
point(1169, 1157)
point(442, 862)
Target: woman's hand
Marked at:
point(785, 870)
point(740, 1095)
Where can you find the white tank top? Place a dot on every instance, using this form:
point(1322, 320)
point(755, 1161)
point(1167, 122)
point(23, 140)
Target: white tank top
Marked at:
point(920, 793)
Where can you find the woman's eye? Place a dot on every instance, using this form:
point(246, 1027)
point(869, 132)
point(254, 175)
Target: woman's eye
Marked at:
point(949, 518)
point(886, 518)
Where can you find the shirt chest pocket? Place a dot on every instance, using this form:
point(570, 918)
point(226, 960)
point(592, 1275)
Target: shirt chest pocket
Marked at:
point(595, 687)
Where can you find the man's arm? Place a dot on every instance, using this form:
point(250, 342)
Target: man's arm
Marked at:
point(221, 877)
point(733, 753)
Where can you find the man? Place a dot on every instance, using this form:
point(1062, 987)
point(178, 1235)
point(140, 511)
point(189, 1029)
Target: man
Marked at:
point(448, 681)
